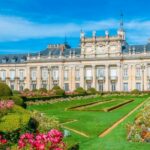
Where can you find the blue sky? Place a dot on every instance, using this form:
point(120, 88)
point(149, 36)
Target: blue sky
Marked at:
point(29, 25)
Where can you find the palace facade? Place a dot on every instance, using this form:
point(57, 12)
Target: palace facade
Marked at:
point(107, 63)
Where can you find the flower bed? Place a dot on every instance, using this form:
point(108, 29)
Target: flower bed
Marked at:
point(55, 100)
point(53, 140)
point(139, 131)
point(5, 107)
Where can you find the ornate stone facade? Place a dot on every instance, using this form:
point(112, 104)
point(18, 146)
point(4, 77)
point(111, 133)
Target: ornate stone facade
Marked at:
point(106, 63)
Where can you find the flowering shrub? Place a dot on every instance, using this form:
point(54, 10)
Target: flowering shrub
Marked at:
point(3, 142)
point(50, 141)
point(139, 131)
point(42, 123)
point(5, 107)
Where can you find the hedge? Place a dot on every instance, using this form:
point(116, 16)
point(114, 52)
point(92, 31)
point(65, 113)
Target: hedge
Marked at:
point(5, 90)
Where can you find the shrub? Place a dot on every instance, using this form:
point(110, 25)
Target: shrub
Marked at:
point(35, 90)
point(135, 91)
point(17, 100)
point(15, 120)
point(5, 90)
point(43, 90)
point(15, 92)
point(53, 140)
point(80, 90)
point(5, 107)
point(92, 91)
point(26, 90)
point(58, 91)
point(42, 123)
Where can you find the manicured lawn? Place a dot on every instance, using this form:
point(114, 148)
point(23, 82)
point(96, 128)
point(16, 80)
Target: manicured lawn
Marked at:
point(106, 105)
point(90, 123)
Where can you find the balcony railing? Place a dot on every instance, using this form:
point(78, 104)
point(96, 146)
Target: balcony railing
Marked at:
point(33, 79)
point(77, 78)
point(138, 77)
point(88, 78)
point(125, 78)
point(113, 78)
point(100, 78)
point(55, 78)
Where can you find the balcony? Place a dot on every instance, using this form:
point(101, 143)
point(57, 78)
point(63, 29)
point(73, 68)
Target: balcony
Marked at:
point(77, 78)
point(12, 78)
point(66, 79)
point(138, 77)
point(125, 78)
point(88, 78)
point(44, 79)
point(33, 79)
point(100, 78)
point(113, 78)
point(55, 78)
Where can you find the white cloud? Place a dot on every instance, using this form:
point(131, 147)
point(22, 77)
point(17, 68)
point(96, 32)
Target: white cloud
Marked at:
point(15, 28)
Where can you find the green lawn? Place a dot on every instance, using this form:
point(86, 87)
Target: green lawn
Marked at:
point(106, 105)
point(91, 123)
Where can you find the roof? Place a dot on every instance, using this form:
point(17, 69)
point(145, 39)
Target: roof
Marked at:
point(21, 58)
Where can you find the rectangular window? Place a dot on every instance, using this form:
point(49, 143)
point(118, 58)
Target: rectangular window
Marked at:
point(100, 72)
point(125, 72)
point(89, 85)
point(66, 86)
point(77, 75)
point(3, 75)
point(125, 87)
point(113, 86)
point(44, 74)
point(21, 88)
point(66, 75)
point(113, 72)
point(138, 72)
point(77, 85)
point(21, 74)
point(33, 75)
point(12, 86)
point(12, 74)
point(138, 86)
point(101, 86)
point(55, 74)
point(88, 72)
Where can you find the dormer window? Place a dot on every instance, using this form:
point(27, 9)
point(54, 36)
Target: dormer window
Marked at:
point(23, 59)
point(4, 60)
point(14, 59)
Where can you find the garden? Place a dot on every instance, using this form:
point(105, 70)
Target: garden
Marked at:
point(55, 120)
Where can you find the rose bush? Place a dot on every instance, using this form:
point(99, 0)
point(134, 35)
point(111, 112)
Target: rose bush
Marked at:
point(53, 140)
point(5, 107)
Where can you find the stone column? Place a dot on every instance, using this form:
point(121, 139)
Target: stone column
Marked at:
point(145, 77)
point(38, 76)
point(94, 76)
point(73, 78)
point(82, 81)
point(106, 84)
point(28, 78)
point(61, 76)
point(119, 76)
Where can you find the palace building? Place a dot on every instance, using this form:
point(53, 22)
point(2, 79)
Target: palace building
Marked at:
point(107, 63)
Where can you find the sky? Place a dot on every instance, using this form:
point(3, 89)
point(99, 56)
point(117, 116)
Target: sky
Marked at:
point(30, 25)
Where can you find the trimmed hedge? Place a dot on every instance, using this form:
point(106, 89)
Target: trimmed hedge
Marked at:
point(80, 90)
point(92, 91)
point(58, 91)
point(5, 90)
